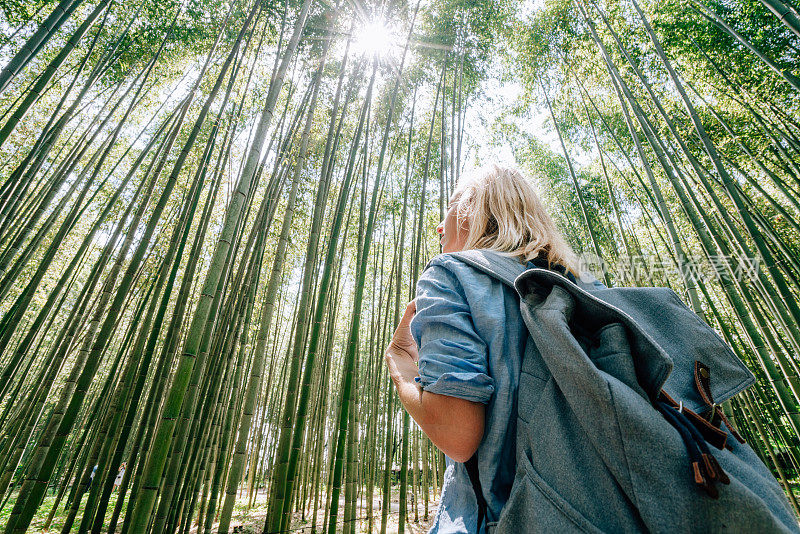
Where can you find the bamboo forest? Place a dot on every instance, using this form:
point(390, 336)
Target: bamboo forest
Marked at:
point(214, 212)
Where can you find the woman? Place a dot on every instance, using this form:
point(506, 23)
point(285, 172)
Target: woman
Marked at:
point(456, 354)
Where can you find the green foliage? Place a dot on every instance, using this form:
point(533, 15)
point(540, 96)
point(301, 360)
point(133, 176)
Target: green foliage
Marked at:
point(474, 54)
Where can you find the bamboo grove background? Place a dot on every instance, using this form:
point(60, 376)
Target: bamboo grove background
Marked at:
point(212, 214)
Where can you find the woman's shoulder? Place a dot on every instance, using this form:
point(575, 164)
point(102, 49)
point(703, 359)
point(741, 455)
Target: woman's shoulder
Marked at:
point(501, 267)
point(451, 276)
point(446, 266)
point(449, 260)
point(444, 273)
point(451, 268)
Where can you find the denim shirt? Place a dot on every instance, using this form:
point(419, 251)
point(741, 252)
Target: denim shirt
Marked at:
point(471, 339)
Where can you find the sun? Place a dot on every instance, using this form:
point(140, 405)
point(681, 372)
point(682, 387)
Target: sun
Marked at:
point(374, 39)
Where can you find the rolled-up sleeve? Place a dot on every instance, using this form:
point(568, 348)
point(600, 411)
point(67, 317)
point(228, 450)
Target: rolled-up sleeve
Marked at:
point(452, 356)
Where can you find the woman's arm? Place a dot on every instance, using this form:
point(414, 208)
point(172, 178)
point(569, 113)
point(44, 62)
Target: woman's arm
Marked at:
point(454, 425)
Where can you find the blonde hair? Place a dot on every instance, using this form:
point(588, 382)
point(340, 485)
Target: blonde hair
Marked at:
point(506, 215)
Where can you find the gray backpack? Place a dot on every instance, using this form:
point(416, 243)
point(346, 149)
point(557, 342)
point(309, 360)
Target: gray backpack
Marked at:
point(619, 424)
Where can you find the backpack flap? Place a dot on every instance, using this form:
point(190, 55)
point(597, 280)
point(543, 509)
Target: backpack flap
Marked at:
point(537, 287)
point(666, 337)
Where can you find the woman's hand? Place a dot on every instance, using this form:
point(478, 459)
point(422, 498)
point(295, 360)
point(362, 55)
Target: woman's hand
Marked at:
point(402, 354)
point(402, 339)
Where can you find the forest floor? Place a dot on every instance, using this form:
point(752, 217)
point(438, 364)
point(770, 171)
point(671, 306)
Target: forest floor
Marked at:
point(253, 521)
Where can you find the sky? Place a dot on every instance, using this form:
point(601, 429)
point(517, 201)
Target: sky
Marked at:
point(496, 97)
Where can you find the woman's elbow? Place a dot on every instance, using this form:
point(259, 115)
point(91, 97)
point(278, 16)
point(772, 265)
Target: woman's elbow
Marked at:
point(461, 453)
point(459, 431)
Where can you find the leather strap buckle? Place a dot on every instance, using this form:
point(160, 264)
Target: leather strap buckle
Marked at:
point(702, 381)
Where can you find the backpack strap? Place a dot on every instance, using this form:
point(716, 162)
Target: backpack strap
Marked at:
point(497, 266)
point(472, 470)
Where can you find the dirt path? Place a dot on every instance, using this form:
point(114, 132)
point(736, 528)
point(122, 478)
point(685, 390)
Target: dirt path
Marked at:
point(252, 521)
